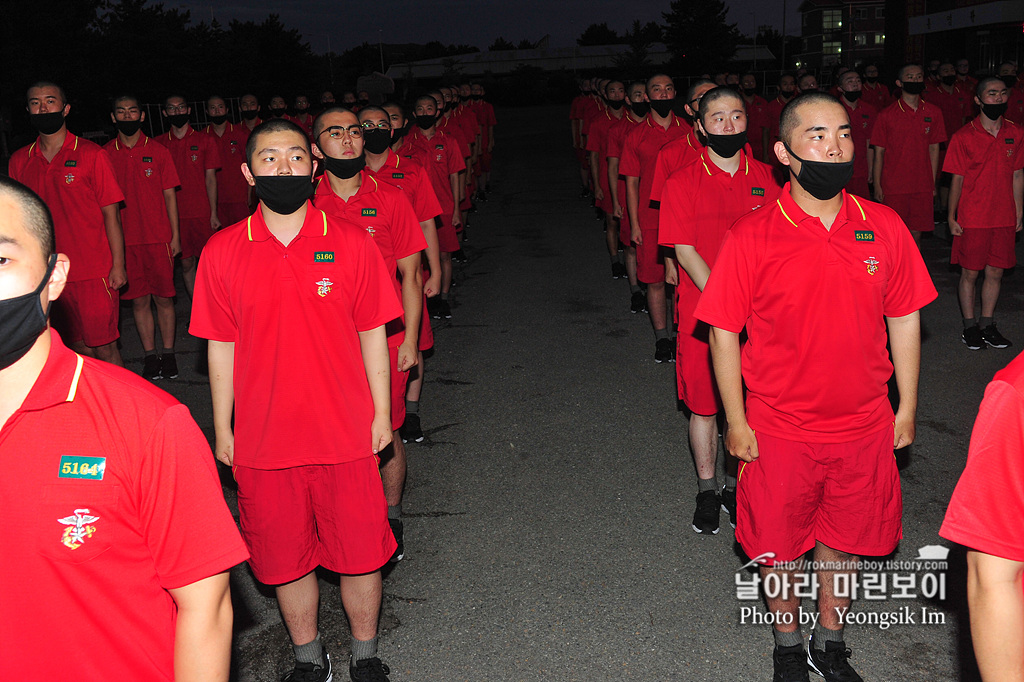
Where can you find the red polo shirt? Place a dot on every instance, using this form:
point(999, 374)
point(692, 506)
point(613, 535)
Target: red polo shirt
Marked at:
point(774, 111)
point(144, 171)
point(987, 164)
point(757, 121)
point(111, 498)
point(862, 125)
point(75, 185)
point(441, 157)
point(814, 303)
point(675, 155)
point(906, 134)
point(411, 178)
point(387, 216)
point(639, 156)
point(597, 142)
point(231, 185)
point(294, 313)
point(876, 95)
point(193, 155)
point(955, 106)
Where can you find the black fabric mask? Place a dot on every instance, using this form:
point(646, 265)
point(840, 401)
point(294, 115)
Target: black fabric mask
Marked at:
point(948, 80)
point(376, 140)
point(852, 96)
point(477, 97)
point(217, 120)
point(128, 128)
point(362, 102)
point(994, 111)
point(871, 79)
point(250, 114)
point(278, 112)
point(821, 179)
point(344, 168)
point(22, 320)
point(177, 120)
point(47, 124)
point(913, 88)
point(640, 109)
point(284, 194)
point(398, 133)
point(662, 107)
point(786, 94)
point(727, 146)
point(426, 121)
point(1009, 81)
point(616, 104)
point(750, 92)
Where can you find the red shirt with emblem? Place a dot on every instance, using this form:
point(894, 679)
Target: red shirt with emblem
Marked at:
point(639, 156)
point(441, 157)
point(814, 302)
point(862, 125)
point(906, 134)
point(674, 156)
point(388, 218)
point(111, 499)
point(231, 185)
point(144, 171)
point(294, 313)
point(411, 178)
point(193, 154)
point(75, 185)
point(987, 164)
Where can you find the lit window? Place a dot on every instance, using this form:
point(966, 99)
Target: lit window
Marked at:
point(831, 19)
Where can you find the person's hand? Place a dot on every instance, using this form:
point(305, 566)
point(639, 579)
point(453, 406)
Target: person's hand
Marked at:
point(117, 277)
point(598, 194)
point(432, 285)
point(214, 222)
point(224, 448)
point(671, 272)
point(879, 194)
point(175, 246)
point(457, 218)
point(380, 433)
point(1020, 223)
point(635, 234)
point(616, 209)
point(740, 442)
point(904, 431)
point(407, 357)
point(956, 230)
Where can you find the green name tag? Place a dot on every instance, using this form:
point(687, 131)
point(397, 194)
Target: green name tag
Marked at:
point(1008, 140)
point(147, 159)
point(323, 257)
point(398, 176)
point(370, 212)
point(757, 192)
point(927, 119)
point(864, 235)
point(90, 468)
point(194, 148)
point(70, 163)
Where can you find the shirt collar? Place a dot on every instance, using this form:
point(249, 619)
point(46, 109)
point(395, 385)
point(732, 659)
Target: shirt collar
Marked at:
point(143, 141)
point(315, 224)
point(58, 382)
point(712, 169)
point(69, 141)
point(852, 210)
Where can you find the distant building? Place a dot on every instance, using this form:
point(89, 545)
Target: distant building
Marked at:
point(986, 33)
point(840, 33)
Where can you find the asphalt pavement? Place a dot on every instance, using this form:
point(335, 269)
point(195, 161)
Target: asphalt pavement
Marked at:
point(547, 513)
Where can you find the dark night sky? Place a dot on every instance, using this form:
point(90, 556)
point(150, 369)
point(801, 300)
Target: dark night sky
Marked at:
point(472, 22)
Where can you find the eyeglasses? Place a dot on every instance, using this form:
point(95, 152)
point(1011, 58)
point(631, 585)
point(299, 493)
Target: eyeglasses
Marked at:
point(337, 132)
point(370, 125)
point(177, 109)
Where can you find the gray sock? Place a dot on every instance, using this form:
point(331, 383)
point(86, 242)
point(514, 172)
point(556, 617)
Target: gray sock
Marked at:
point(821, 634)
point(412, 407)
point(395, 511)
point(634, 288)
point(969, 322)
point(788, 638)
point(986, 321)
point(150, 352)
point(310, 652)
point(705, 484)
point(444, 295)
point(362, 650)
point(730, 482)
point(660, 334)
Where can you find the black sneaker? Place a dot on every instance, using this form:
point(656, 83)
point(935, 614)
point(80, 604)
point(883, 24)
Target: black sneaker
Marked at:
point(369, 670)
point(973, 338)
point(411, 430)
point(618, 270)
point(833, 663)
point(585, 193)
point(790, 664)
point(168, 366)
point(433, 307)
point(638, 303)
point(728, 498)
point(311, 672)
point(663, 350)
point(993, 338)
point(443, 311)
point(481, 195)
point(705, 518)
point(460, 256)
point(398, 530)
point(151, 368)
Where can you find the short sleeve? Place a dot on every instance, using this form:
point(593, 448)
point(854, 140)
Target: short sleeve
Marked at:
point(211, 155)
point(375, 301)
point(629, 162)
point(726, 300)
point(104, 180)
point(910, 286)
point(676, 221)
point(168, 173)
point(407, 235)
point(212, 315)
point(880, 134)
point(426, 204)
point(938, 132)
point(956, 161)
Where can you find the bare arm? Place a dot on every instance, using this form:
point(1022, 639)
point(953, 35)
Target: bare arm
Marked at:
point(613, 185)
point(905, 346)
point(412, 304)
point(115, 239)
point(996, 604)
point(594, 175)
point(871, 161)
point(456, 214)
point(1018, 195)
point(879, 159)
point(632, 207)
point(933, 155)
point(171, 202)
point(221, 357)
point(202, 631)
point(211, 195)
point(433, 284)
point(694, 265)
point(374, 347)
point(725, 356)
point(956, 188)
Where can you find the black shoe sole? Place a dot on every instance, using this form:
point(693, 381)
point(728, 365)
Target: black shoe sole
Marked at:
point(700, 531)
point(970, 347)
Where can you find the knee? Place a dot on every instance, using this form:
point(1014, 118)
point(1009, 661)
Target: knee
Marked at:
point(993, 274)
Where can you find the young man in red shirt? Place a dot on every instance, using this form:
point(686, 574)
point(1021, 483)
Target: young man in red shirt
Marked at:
point(758, 122)
point(815, 280)
point(787, 91)
point(984, 516)
point(986, 195)
point(906, 138)
point(278, 107)
point(294, 304)
point(577, 111)
point(597, 142)
point(302, 116)
point(75, 179)
point(149, 220)
point(249, 109)
point(698, 205)
point(487, 118)
point(197, 160)
point(682, 151)
point(346, 191)
point(232, 189)
point(862, 124)
point(118, 531)
point(875, 93)
point(639, 156)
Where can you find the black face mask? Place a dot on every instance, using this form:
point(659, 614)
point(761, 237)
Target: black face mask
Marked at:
point(913, 88)
point(640, 109)
point(301, 110)
point(994, 111)
point(750, 92)
point(128, 128)
point(616, 104)
point(1009, 81)
point(177, 120)
point(726, 146)
point(376, 140)
point(477, 96)
point(362, 102)
point(398, 133)
point(786, 94)
point(821, 179)
point(852, 96)
point(662, 107)
point(344, 168)
point(284, 194)
point(278, 112)
point(47, 124)
point(22, 320)
point(426, 121)
point(948, 80)
point(251, 114)
point(448, 106)
point(217, 120)
point(871, 79)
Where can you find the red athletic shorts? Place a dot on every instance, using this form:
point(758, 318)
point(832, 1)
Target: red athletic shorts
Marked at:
point(426, 340)
point(447, 238)
point(194, 233)
point(845, 495)
point(150, 271)
point(233, 212)
point(399, 380)
point(915, 209)
point(485, 162)
point(650, 267)
point(981, 246)
point(87, 311)
point(695, 376)
point(296, 519)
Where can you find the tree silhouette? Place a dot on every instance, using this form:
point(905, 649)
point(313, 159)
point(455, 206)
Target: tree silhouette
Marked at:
point(698, 35)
